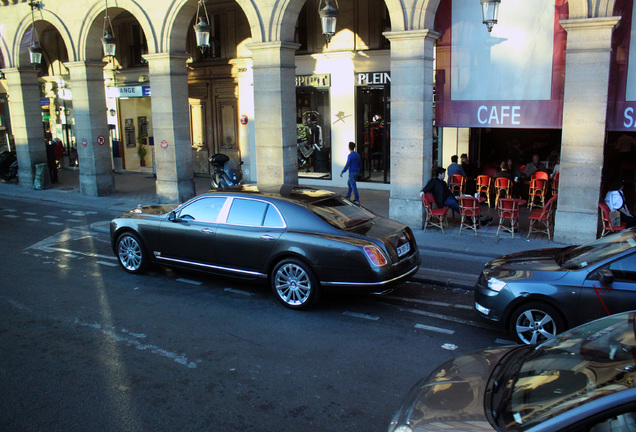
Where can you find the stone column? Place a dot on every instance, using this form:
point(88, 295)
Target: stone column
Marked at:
point(91, 128)
point(171, 126)
point(411, 122)
point(587, 66)
point(274, 67)
point(26, 121)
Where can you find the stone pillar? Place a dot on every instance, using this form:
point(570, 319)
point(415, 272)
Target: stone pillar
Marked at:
point(587, 66)
point(26, 121)
point(274, 67)
point(91, 128)
point(411, 122)
point(171, 126)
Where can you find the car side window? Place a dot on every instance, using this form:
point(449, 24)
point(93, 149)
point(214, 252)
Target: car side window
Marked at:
point(625, 268)
point(247, 212)
point(273, 218)
point(205, 209)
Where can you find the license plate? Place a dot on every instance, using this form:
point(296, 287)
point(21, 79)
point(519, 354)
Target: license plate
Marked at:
point(404, 249)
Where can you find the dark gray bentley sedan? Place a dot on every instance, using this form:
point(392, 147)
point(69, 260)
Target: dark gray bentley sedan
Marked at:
point(299, 239)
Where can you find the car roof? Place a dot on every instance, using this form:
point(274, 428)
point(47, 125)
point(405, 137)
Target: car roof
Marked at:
point(288, 192)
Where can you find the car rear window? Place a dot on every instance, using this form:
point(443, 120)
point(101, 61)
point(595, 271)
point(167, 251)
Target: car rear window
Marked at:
point(340, 212)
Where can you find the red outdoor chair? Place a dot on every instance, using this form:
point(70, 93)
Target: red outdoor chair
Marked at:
point(508, 209)
point(555, 184)
point(470, 211)
point(503, 186)
point(545, 216)
point(608, 226)
point(457, 184)
point(540, 175)
point(484, 186)
point(434, 216)
point(538, 190)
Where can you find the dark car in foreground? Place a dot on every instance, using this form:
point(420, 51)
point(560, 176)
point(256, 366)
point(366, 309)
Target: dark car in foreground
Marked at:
point(537, 294)
point(300, 239)
point(581, 380)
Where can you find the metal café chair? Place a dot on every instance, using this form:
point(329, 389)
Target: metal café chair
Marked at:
point(435, 216)
point(608, 225)
point(470, 212)
point(457, 184)
point(508, 210)
point(503, 186)
point(544, 216)
point(484, 186)
point(538, 190)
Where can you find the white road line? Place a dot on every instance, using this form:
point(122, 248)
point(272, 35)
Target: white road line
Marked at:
point(73, 220)
point(50, 217)
point(235, 291)
point(11, 216)
point(56, 223)
point(188, 281)
point(429, 302)
point(32, 220)
point(448, 318)
point(434, 329)
point(363, 316)
point(9, 210)
point(109, 264)
point(29, 213)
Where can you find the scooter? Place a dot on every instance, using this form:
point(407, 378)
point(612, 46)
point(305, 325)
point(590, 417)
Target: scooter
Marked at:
point(225, 173)
point(8, 166)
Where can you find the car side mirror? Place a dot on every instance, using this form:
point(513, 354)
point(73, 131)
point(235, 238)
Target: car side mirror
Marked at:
point(605, 276)
point(172, 216)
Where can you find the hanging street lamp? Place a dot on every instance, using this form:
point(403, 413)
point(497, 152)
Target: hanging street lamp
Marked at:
point(489, 12)
point(108, 40)
point(202, 28)
point(328, 16)
point(35, 50)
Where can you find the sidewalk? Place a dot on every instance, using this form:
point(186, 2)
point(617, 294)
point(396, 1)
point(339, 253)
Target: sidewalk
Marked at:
point(133, 189)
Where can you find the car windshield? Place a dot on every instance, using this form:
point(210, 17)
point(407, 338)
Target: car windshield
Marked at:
point(340, 212)
point(585, 363)
point(597, 251)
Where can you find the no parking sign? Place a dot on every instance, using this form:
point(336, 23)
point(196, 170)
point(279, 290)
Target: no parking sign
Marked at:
point(101, 140)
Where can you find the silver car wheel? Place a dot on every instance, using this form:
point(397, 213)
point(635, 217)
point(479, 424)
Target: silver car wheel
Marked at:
point(293, 284)
point(130, 253)
point(535, 325)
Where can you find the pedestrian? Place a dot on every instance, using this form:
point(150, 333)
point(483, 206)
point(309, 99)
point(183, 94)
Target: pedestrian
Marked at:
point(59, 150)
point(50, 159)
point(354, 165)
point(455, 168)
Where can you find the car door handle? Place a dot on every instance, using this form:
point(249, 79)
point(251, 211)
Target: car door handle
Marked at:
point(207, 231)
point(267, 237)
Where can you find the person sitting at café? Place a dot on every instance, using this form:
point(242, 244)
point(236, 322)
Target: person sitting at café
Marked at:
point(444, 197)
point(503, 172)
point(455, 168)
point(469, 169)
point(516, 174)
point(534, 166)
point(615, 200)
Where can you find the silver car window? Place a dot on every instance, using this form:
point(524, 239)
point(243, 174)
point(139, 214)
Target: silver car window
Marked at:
point(247, 212)
point(205, 209)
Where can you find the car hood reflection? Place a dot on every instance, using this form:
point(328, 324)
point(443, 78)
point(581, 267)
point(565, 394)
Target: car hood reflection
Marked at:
point(537, 260)
point(151, 210)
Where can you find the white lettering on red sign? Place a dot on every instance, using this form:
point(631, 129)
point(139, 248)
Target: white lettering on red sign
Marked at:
point(84, 142)
point(499, 115)
point(164, 144)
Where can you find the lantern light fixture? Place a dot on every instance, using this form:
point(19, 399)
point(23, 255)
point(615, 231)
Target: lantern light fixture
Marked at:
point(35, 50)
point(108, 40)
point(328, 17)
point(490, 12)
point(202, 28)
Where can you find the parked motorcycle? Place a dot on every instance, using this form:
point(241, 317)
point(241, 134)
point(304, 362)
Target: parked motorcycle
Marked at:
point(8, 166)
point(226, 172)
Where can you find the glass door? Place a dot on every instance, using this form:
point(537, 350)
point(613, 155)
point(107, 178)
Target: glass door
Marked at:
point(373, 132)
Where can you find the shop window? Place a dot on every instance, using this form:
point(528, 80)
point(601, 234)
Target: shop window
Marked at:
point(313, 132)
point(373, 125)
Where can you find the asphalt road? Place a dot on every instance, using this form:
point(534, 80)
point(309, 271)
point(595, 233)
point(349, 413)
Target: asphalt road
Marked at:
point(87, 346)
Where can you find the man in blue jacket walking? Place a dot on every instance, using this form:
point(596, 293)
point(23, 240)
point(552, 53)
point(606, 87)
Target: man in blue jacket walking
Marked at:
point(354, 165)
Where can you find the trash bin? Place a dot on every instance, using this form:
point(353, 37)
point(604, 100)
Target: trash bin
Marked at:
point(41, 179)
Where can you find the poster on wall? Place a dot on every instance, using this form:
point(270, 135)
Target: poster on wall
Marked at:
point(129, 131)
point(142, 121)
point(511, 77)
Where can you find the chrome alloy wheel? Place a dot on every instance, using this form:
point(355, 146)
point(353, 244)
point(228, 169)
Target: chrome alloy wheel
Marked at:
point(535, 325)
point(130, 253)
point(293, 285)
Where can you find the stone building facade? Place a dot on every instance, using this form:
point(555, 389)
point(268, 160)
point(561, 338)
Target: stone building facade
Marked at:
point(269, 71)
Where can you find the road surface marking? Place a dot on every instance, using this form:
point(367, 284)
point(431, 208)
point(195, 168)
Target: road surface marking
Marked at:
point(363, 316)
point(29, 213)
point(9, 210)
point(434, 329)
point(429, 302)
point(32, 220)
point(50, 217)
point(56, 223)
point(73, 220)
point(449, 318)
point(235, 291)
point(109, 264)
point(188, 281)
point(11, 216)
